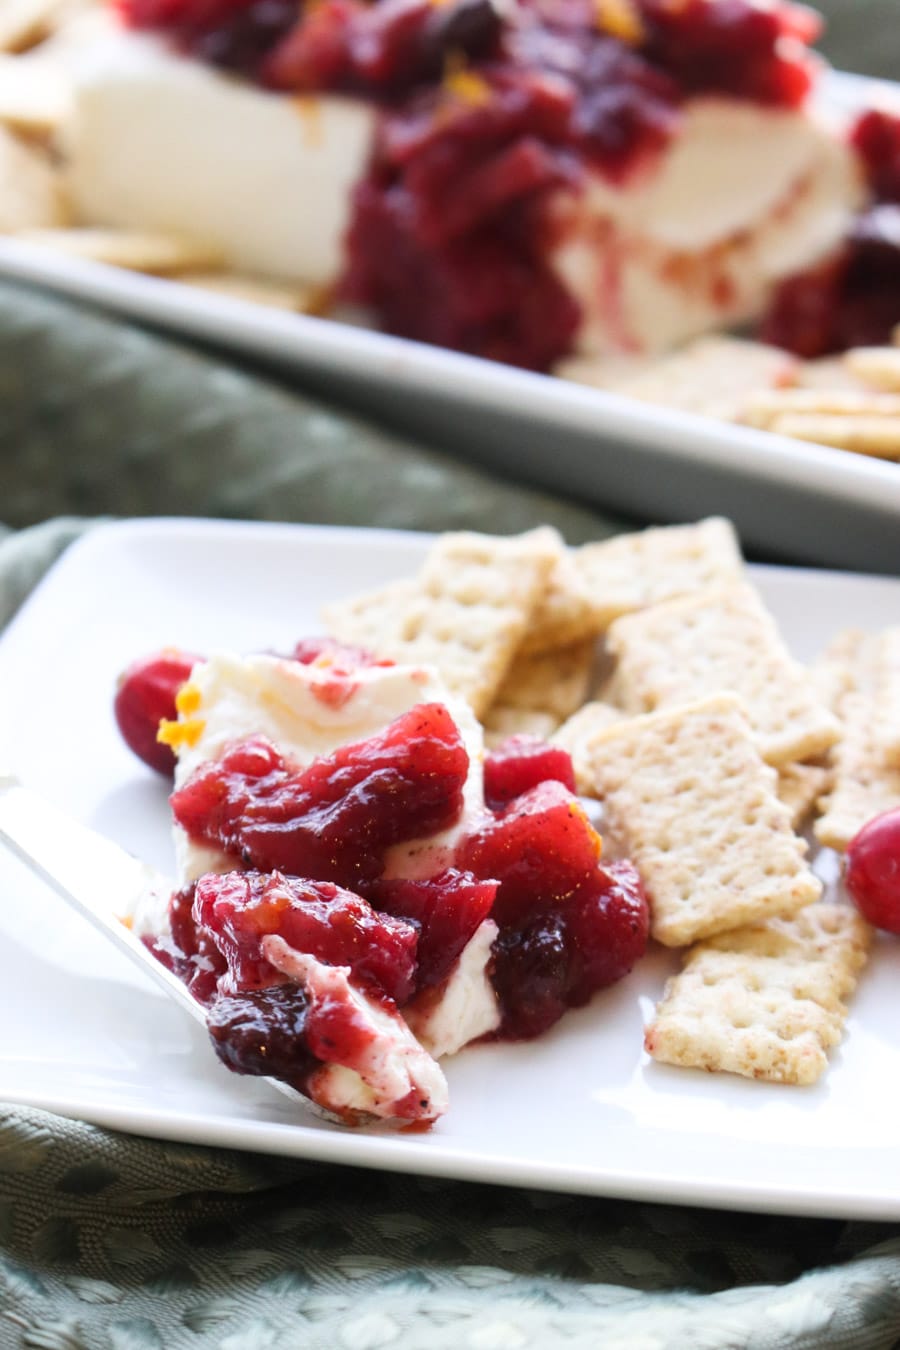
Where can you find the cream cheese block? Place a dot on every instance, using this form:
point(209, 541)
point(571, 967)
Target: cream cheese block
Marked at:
point(157, 141)
point(694, 240)
point(234, 697)
point(744, 196)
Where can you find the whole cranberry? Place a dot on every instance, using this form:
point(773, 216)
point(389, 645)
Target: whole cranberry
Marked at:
point(873, 871)
point(146, 695)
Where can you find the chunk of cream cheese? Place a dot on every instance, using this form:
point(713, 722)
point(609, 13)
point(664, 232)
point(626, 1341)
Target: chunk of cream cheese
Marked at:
point(464, 1006)
point(159, 141)
point(231, 698)
point(743, 197)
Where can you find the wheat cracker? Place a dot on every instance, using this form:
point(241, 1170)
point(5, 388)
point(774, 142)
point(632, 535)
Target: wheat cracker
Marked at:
point(887, 693)
point(766, 409)
point(34, 98)
point(765, 1001)
point(23, 23)
point(576, 732)
point(568, 611)
point(712, 375)
point(135, 250)
point(847, 665)
point(554, 682)
point(648, 566)
point(502, 722)
point(465, 613)
point(31, 193)
point(864, 783)
point(723, 640)
point(878, 366)
point(281, 295)
point(695, 807)
point(800, 786)
point(875, 435)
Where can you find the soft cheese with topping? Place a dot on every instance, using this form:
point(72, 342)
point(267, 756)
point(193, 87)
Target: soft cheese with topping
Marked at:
point(294, 706)
point(523, 182)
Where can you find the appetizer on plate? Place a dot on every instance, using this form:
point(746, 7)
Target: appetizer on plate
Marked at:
point(382, 857)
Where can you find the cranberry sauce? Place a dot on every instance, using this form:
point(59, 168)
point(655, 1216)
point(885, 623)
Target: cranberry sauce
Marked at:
point(568, 925)
point(852, 299)
point(486, 116)
point(446, 910)
point(335, 926)
point(334, 820)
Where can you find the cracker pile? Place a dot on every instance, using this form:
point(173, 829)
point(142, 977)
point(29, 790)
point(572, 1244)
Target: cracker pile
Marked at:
point(849, 402)
point(653, 660)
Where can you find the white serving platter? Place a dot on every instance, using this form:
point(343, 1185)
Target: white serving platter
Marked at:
point(87, 1035)
point(790, 500)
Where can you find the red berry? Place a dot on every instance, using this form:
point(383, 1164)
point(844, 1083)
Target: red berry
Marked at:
point(873, 871)
point(334, 820)
point(540, 850)
point(239, 909)
point(520, 763)
point(446, 909)
point(145, 697)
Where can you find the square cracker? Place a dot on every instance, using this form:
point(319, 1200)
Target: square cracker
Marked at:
point(631, 571)
point(864, 782)
point(722, 640)
point(887, 693)
point(766, 1001)
point(31, 194)
point(25, 22)
point(555, 683)
point(568, 611)
point(800, 786)
point(465, 613)
point(576, 733)
point(695, 808)
point(155, 253)
point(34, 97)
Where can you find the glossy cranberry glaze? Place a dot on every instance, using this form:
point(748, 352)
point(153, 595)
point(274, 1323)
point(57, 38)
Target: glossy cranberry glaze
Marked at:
point(237, 910)
point(521, 763)
point(540, 849)
point(559, 958)
point(445, 910)
point(335, 820)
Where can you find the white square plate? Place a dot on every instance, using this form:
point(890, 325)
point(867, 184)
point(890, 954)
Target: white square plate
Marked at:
point(87, 1035)
point(789, 499)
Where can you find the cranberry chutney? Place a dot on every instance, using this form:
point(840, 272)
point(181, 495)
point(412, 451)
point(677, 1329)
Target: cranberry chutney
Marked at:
point(484, 119)
point(305, 856)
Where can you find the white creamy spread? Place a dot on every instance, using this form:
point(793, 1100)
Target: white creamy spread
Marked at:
point(242, 696)
point(390, 1066)
point(158, 141)
point(744, 196)
point(465, 1006)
